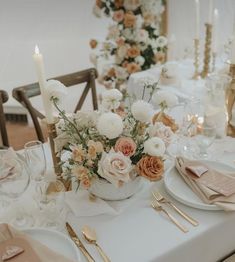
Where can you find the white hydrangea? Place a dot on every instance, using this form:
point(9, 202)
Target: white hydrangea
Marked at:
point(111, 99)
point(86, 119)
point(154, 146)
point(166, 97)
point(56, 89)
point(110, 125)
point(142, 111)
point(161, 41)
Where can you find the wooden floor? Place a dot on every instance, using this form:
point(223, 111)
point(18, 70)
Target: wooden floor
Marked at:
point(20, 133)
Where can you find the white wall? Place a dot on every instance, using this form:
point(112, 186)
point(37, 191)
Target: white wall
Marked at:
point(63, 28)
point(182, 23)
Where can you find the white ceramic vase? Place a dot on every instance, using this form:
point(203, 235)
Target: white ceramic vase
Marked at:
point(107, 191)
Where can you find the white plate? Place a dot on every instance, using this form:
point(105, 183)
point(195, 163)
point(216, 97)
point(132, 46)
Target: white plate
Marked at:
point(178, 189)
point(56, 241)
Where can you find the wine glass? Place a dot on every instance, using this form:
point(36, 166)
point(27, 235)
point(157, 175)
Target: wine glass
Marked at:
point(14, 181)
point(35, 155)
point(205, 136)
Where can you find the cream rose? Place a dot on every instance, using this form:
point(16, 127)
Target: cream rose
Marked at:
point(115, 167)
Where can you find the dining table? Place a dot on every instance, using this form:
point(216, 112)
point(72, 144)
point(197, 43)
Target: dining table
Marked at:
point(134, 231)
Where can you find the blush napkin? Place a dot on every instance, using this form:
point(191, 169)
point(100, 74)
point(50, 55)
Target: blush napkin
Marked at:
point(211, 186)
point(33, 250)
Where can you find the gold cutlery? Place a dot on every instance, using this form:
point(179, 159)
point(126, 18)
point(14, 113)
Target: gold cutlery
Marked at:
point(157, 206)
point(90, 235)
point(162, 199)
point(79, 243)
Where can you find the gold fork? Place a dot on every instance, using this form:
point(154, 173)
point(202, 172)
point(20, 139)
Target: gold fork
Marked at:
point(162, 199)
point(156, 206)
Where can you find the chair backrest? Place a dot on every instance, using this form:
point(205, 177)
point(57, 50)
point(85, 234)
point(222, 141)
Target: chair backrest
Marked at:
point(23, 94)
point(3, 130)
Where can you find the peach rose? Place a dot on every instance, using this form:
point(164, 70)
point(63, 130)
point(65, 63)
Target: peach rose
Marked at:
point(120, 41)
point(132, 68)
point(99, 3)
point(148, 18)
point(85, 182)
point(150, 167)
point(94, 148)
point(93, 43)
point(159, 57)
point(166, 120)
point(78, 154)
point(129, 19)
point(80, 172)
point(118, 16)
point(118, 3)
point(133, 52)
point(126, 145)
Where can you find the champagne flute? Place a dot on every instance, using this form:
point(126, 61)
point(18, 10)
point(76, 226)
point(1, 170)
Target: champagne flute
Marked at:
point(36, 159)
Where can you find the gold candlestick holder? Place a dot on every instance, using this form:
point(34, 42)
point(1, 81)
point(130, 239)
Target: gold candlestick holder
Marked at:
point(196, 59)
point(230, 101)
point(56, 160)
point(207, 52)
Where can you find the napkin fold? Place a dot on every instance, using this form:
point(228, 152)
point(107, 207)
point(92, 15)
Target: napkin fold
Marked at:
point(210, 185)
point(13, 241)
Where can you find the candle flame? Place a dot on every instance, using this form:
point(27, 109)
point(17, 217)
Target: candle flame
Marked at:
point(200, 120)
point(216, 12)
point(37, 50)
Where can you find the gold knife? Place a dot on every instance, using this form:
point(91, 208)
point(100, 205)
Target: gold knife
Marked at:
point(79, 243)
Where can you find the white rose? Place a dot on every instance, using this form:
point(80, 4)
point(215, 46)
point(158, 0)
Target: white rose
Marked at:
point(161, 41)
point(56, 89)
point(113, 32)
point(121, 73)
point(142, 35)
point(154, 146)
point(161, 131)
point(166, 97)
point(140, 60)
point(115, 167)
point(131, 5)
point(110, 125)
point(142, 111)
point(111, 99)
point(121, 51)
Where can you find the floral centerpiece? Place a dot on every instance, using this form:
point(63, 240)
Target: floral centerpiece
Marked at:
point(113, 145)
point(133, 42)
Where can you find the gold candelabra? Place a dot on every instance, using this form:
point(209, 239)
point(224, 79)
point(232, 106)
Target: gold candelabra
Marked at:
point(56, 160)
point(196, 59)
point(207, 52)
point(230, 100)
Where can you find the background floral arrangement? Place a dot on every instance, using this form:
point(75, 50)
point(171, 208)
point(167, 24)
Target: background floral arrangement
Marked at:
point(133, 42)
point(113, 144)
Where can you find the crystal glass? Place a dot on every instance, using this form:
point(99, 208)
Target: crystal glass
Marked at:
point(14, 181)
point(35, 155)
point(50, 200)
point(205, 136)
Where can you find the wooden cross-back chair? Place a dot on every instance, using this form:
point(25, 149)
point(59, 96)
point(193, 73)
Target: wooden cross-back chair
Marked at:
point(23, 94)
point(3, 130)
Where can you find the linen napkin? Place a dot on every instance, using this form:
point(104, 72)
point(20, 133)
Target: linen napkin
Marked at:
point(82, 205)
point(212, 186)
point(21, 248)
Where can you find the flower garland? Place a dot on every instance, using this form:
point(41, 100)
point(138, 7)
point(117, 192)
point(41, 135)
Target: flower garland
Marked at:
point(133, 42)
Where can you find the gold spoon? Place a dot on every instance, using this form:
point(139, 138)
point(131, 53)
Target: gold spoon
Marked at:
point(90, 235)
